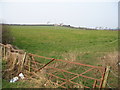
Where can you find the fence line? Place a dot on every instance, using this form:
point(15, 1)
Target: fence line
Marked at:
point(66, 77)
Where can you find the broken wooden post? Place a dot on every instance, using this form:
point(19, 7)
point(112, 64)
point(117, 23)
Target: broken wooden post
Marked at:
point(1, 52)
point(22, 62)
point(29, 65)
point(106, 76)
point(7, 52)
point(4, 52)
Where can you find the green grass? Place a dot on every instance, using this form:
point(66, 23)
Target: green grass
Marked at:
point(19, 84)
point(55, 42)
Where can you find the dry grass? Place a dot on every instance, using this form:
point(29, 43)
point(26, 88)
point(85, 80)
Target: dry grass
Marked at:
point(70, 56)
point(110, 59)
point(40, 81)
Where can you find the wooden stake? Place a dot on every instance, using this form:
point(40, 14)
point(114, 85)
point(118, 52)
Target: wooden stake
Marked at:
point(106, 77)
point(24, 57)
point(29, 65)
point(3, 51)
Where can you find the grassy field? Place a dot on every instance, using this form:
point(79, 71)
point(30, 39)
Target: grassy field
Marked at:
point(84, 46)
point(55, 42)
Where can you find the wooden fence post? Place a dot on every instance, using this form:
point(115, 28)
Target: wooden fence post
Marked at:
point(23, 60)
point(4, 52)
point(106, 77)
point(1, 52)
point(29, 65)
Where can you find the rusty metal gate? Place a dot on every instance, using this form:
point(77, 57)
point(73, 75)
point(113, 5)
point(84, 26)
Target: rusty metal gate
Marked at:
point(68, 74)
point(61, 73)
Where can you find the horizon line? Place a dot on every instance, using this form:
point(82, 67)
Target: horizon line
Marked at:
point(32, 24)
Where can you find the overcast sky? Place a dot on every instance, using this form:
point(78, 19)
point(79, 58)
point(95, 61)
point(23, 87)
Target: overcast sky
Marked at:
point(85, 13)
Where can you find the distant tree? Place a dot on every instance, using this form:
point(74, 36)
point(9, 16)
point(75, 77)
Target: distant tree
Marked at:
point(106, 28)
point(7, 37)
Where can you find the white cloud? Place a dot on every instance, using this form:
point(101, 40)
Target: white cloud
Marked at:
point(59, 0)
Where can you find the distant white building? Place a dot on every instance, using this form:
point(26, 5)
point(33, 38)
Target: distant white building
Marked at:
point(61, 24)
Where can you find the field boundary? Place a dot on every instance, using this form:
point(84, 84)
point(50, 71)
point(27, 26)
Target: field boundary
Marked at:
point(60, 72)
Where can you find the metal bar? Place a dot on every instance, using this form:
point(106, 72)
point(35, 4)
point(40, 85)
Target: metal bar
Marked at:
point(79, 84)
point(63, 83)
point(101, 82)
point(37, 63)
point(66, 80)
point(95, 82)
point(59, 85)
point(87, 71)
point(56, 76)
point(78, 63)
point(64, 75)
point(90, 77)
point(39, 56)
point(67, 61)
point(45, 65)
point(81, 74)
point(61, 70)
point(76, 74)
